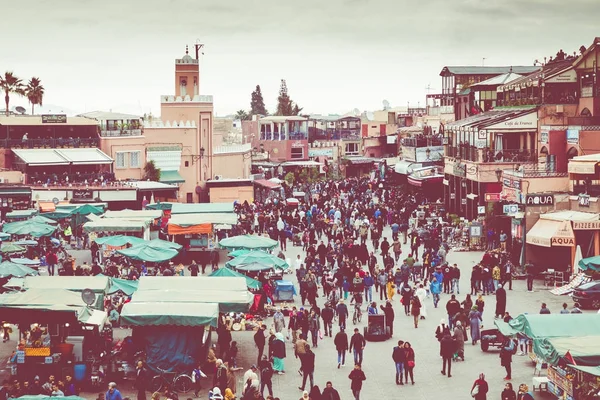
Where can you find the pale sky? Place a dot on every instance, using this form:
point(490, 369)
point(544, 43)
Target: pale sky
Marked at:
point(336, 55)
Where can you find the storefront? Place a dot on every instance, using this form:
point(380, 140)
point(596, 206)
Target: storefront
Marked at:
point(14, 198)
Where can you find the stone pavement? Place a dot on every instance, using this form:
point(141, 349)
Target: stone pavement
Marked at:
point(378, 365)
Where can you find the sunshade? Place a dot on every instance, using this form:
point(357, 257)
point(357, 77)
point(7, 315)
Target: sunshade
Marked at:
point(25, 261)
point(21, 214)
point(201, 208)
point(119, 240)
point(146, 252)
point(192, 283)
point(159, 313)
point(595, 371)
point(248, 242)
point(98, 284)
point(585, 350)
point(15, 283)
point(28, 228)
point(39, 297)
point(10, 269)
point(592, 263)
point(40, 219)
point(160, 206)
point(253, 267)
point(56, 215)
point(86, 209)
point(257, 257)
point(116, 225)
point(4, 236)
point(123, 285)
point(228, 301)
point(9, 248)
point(164, 244)
point(223, 272)
point(239, 252)
point(44, 397)
point(551, 325)
point(26, 242)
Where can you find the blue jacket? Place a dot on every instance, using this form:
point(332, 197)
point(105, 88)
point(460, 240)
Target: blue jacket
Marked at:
point(368, 281)
point(439, 276)
point(435, 287)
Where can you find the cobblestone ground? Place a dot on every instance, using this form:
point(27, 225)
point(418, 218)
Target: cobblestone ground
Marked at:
point(378, 365)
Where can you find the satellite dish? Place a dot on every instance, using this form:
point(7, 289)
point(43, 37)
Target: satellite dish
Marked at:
point(88, 296)
point(20, 109)
point(55, 201)
point(386, 105)
point(370, 115)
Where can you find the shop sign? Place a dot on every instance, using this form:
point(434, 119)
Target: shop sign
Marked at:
point(298, 143)
point(544, 137)
point(459, 170)
point(492, 197)
point(586, 225)
point(539, 200)
point(429, 154)
point(573, 136)
point(510, 208)
point(83, 194)
point(584, 200)
point(475, 230)
point(523, 122)
point(564, 236)
point(54, 118)
point(511, 183)
point(463, 202)
point(481, 210)
point(452, 196)
point(481, 143)
point(320, 152)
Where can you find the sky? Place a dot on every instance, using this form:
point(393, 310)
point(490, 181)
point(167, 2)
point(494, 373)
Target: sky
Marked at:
point(336, 55)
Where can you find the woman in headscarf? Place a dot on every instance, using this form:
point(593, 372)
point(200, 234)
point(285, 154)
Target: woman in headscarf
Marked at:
point(475, 323)
point(441, 331)
point(421, 293)
point(215, 394)
point(277, 350)
point(480, 388)
point(480, 303)
point(459, 337)
point(305, 396)
point(229, 394)
point(315, 393)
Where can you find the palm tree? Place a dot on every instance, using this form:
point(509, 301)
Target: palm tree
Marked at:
point(34, 92)
point(242, 115)
point(10, 84)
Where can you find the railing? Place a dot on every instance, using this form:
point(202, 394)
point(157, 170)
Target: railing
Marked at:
point(592, 190)
point(421, 141)
point(282, 136)
point(536, 100)
point(48, 143)
point(337, 134)
point(67, 180)
point(472, 153)
point(121, 132)
point(529, 171)
point(584, 121)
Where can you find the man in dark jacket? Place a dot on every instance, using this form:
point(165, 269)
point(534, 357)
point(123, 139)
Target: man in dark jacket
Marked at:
point(342, 313)
point(329, 393)
point(327, 314)
point(399, 357)
point(500, 301)
point(141, 377)
point(259, 340)
point(447, 349)
point(341, 345)
point(388, 310)
point(308, 369)
point(357, 343)
point(452, 308)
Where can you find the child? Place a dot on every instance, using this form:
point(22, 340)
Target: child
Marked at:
point(196, 375)
point(233, 352)
point(426, 286)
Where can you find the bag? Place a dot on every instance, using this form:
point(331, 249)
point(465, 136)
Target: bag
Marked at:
point(514, 347)
point(475, 391)
point(320, 335)
point(411, 364)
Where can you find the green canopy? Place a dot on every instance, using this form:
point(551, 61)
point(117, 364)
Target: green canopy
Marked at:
point(119, 240)
point(56, 215)
point(160, 206)
point(239, 252)
point(99, 284)
point(253, 267)
point(28, 228)
point(201, 208)
point(162, 313)
point(249, 242)
point(551, 325)
point(228, 301)
point(257, 257)
point(192, 283)
point(170, 177)
point(44, 397)
point(86, 209)
point(38, 297)
point(252, 283)
point(21, 214)
point(595, 371)
point(585, 350)
point(123, 285)
point(10, 269)
point(592, 263)
point(164, 244)
point(8, 248)
point(40, 219)
point(4, 236)
point(147, 252)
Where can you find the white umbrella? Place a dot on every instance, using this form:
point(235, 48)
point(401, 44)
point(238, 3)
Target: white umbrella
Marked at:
point(276, 180)
point(578, 257)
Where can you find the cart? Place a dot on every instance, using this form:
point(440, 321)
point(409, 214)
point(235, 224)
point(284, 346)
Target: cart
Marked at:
point(284, 290)
point(376, 329)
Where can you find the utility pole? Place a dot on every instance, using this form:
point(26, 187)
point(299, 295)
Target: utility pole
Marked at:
point(483, 61)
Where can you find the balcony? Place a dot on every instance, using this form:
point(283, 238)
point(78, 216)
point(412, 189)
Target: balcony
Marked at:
point(534, 171)
point(49, 143)
point(421, 141)
point(121, 132)
point(472, 153)
point(282, 136)
point(58, 180)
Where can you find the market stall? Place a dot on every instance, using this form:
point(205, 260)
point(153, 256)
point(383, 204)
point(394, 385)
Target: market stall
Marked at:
point(252, 284)
point(228, 301)
point(257, 258)
point(148, 252)
point(28, 227)
point(97, 284)
point(119, 226)
point(248, 242)
point(191, 283)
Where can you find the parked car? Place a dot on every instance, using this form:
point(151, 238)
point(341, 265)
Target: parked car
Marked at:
point(491, 338)
point(587, 295)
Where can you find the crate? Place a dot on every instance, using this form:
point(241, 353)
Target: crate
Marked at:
point(37, 351)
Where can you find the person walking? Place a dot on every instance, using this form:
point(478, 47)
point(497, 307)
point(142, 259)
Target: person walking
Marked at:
point(341, 345)
point(447, 349)
point(480, 388)
point(342, 313)
point(459, 336)
point(308, 369)
point(388, 310)
point(327, 313)
point(475, 324)
point(399, 357)
point(452, 308)
point(409, 366)
point(330, 393)
point(506, 353)
point(500, 301)
point(436, 289)
point(314, 326)
point(278, 353)
point(260, 340)
point(508, 393)
point(141, 377)
point(357, 376)
point(266, 375)
point(415, 310)
point(357, 345)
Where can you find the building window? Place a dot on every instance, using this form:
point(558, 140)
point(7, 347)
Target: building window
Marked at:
point(134, 159)
point(187, 163)
point(120, 159)
point(297, 153)
point(351, 149)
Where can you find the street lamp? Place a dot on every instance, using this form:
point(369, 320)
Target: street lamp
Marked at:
point(499, 174)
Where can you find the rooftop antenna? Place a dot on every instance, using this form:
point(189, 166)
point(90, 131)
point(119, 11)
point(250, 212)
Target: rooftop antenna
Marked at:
point(483, 61)
point(198, 46)
point(429, 88)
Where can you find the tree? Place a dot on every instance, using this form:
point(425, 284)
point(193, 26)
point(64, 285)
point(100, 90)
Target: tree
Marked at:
point(289, 178)
point(257, 103)
point(285, 106)
point(296, 110)
point(10, 84)
point(34, 92)
point(242, 115)
point(151, 173)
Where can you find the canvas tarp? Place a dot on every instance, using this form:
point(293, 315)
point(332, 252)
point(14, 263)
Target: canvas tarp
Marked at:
point(248, 242)
point(126, 286)
point(21, 214)
point(10, 269)
point(167, 314)
point(201, 208)
point(592, 263)
point(192, 283)
point(119, 240)
point(595, 371)
point(37, 298)
point(585, 350)
point(181, 224)
point(227, 301)
point(551, 325)
point(98, 284)
point(147, 252)
point(115, 225)
point(228, 272)
point(28, 228)
point(160, 206)
point(257, 257)
point(134, 214)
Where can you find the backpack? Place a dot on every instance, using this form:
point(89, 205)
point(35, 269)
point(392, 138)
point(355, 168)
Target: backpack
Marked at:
point(514, 347)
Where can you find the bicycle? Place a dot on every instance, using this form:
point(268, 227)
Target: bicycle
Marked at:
point(357, 315)
point(180, 381)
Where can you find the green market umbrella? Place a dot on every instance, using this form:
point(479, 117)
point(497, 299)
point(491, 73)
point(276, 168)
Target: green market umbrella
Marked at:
point(28, 228)
point(26, 242)
point(10, 269)
point(237, 253)
point(250, 242)
point(123, 285)
point(42, 220)
point(4, 236)
point(146, 252)
point(253, 267)
point(164, 244)
point(592, 263)
point(9, 248)
point(25, 261)
point(86, 209)
point(228, 272)
point(259, 258)
point(119, 240)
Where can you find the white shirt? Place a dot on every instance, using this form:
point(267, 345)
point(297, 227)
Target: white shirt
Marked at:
point(298, 263)
point(249, 375)
point(280, 226)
